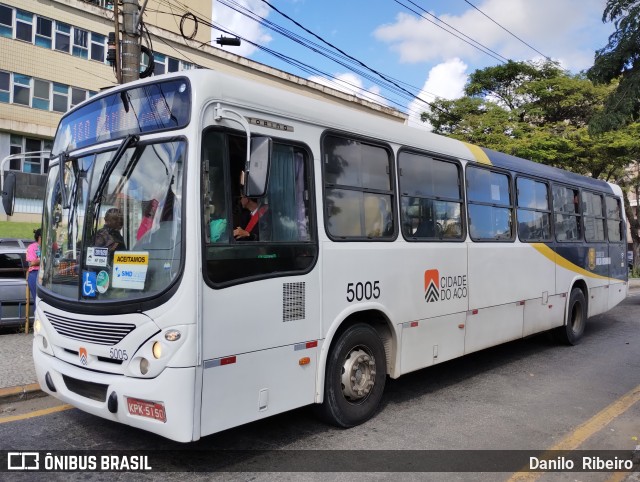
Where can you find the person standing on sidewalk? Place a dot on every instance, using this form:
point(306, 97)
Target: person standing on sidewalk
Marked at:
point(33, 258)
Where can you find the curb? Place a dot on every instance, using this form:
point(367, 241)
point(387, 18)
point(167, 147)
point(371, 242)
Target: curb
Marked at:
point(19, 393)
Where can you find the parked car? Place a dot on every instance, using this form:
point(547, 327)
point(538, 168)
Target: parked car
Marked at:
point(15, 242)
point(13, 287)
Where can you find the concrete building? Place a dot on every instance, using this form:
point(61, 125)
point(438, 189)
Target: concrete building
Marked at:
point(53, 56)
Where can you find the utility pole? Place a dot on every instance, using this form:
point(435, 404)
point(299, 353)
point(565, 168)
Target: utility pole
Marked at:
point(130, 44)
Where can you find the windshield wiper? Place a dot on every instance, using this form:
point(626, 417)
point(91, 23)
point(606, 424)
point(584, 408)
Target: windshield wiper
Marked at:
point(64, 195)
point(130, 140)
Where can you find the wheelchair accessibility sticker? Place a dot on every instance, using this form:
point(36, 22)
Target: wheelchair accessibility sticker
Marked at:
point(130, 269)
point(88, 284)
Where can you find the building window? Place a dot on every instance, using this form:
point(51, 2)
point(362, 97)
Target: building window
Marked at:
point(97, 46)
point(63, 37)
point(27, 163)
point(6, 22)
point(46, 146)
point(60, 97)
point(173, 65)
point(490, 211)
point(160, 64)
point(21, 89)
point(534, 210)
point(41, 94)
point(44, 29)
point(5, 86)
point(32, 163)
point(15, 147)
point(24, 26)
point(80, 43)
point(77, 96)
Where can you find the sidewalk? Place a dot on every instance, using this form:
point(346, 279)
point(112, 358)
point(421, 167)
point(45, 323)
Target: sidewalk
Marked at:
point(17, 374)
point(18, 377)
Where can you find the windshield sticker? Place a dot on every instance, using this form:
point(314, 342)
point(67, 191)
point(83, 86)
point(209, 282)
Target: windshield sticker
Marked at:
point(102, 282)
point(88, 284)
point(97, 256)
point(130, 269)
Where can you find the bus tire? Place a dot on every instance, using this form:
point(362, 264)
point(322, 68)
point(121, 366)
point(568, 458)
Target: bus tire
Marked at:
point(571, 332)
point(355, 377)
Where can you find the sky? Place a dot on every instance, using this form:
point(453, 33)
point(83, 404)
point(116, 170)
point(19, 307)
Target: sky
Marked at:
point(401, 41)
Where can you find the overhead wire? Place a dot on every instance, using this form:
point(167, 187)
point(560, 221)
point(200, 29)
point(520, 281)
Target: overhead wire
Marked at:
point(509, 31)
point(474, 43)
point(345, 62)
point(379, 74)
point(392, 84)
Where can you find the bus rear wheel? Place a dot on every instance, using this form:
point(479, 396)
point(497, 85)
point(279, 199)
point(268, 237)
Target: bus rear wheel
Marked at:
point(572, 331)
point(355, 377)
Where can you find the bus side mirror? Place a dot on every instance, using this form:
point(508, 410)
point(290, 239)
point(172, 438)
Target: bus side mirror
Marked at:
point(257, 172)
point(9, 193)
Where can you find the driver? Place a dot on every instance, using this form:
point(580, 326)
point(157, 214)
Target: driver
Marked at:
point(109, 236)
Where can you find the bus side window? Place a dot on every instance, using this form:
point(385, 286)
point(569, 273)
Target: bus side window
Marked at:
point(358, 189)
point(214, 202)
point(431, 202)
point(490, 205)
point(566, 213)
point(281, 238)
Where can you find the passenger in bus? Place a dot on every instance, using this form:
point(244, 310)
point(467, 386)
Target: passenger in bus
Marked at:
point(109, 236)
point(255, 218)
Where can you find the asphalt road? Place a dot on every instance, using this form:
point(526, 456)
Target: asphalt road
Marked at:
point(530, 394)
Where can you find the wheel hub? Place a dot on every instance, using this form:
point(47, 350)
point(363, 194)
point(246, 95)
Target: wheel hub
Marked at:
point(358, 374)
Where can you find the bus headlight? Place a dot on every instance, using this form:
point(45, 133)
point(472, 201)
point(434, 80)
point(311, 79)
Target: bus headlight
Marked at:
point(157, 350)
point(36, 325)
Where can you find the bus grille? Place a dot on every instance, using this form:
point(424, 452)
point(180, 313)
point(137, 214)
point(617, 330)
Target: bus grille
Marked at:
point(94, 391)
point(96, 332)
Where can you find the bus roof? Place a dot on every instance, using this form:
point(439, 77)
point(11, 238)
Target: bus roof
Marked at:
point(286, 104)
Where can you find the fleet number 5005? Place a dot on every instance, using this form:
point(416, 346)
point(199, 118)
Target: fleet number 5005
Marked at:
point(363, 291)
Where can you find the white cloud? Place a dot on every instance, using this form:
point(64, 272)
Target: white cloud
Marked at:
point(238, 24)
point(560, 29)
point(445, 80)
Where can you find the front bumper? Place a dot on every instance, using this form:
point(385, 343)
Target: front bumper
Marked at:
point(174, 388)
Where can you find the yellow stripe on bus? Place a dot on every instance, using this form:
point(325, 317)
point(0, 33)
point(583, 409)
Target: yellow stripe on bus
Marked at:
point(549, 253)
point(478, 154)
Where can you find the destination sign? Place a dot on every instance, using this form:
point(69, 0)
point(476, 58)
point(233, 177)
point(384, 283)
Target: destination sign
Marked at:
point(141, 110)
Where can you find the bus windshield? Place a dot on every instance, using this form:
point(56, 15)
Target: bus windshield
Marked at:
point(118, 236)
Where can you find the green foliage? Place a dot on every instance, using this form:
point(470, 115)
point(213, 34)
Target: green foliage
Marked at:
point(619, 60)
point(503, 82)
point(538, 112)
point(10, 229)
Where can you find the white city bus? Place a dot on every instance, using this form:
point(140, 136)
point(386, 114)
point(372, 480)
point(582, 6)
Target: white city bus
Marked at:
point(376, 250)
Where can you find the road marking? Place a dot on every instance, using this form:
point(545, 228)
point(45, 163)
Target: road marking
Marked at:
point(37, 413)
point(576, 438)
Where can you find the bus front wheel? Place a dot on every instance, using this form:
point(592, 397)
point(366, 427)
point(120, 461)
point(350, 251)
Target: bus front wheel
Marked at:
point(573, 329)
point(355, 377)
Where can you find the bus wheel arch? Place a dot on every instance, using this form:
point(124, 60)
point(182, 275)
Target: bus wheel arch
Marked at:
point(358, 359)
point(572, 331)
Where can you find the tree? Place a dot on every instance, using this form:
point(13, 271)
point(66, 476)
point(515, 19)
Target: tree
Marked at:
point(619, 60)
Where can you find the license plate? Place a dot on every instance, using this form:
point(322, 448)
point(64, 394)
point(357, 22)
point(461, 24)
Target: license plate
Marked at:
point(143, 408)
